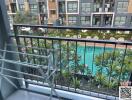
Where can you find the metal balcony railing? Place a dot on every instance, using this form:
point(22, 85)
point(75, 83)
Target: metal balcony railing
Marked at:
point(86, 66)
point(20, 68)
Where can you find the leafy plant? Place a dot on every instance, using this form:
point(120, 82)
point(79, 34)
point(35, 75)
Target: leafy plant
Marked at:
point(21, 18)
point(76, 82)
point(117, 67)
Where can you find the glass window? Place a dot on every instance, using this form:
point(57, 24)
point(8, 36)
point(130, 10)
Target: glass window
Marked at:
point(122, 7)
point(42, 7)
point(131, 21)
point(61, 7)
point(120, 20)
point(33, 8)
point(96, 20)
point(98, 4)
point(72, 20)
point(85, 20)
point(86, 7)
point(52, 12)
point(97, 8)
point(72, 6)
point(21, 6)
point(13, 7)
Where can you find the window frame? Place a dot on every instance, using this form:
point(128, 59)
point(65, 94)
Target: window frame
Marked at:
point(32, 7)
point(72, 21)
point(123, 7)
point(84, 6)
point(73, 8)
point(51, 12)
point(86, 20)
point(21, 7)
point(119, 22)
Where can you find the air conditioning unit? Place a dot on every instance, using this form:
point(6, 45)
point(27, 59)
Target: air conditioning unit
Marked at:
point(106, 9)
point(108, 5)
point(100, 9)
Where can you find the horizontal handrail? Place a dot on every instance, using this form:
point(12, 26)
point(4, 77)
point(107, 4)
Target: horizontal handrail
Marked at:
point(27, 54)
point(22, 46)
point(75, 39)
point(23, 73)
point(75, 27)
point(25, 64)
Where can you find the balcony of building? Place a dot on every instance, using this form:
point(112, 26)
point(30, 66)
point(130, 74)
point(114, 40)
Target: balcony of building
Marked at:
point(78, 73)
point(62, 63)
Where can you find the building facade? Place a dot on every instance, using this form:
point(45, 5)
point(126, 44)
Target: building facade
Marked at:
point(106, 13)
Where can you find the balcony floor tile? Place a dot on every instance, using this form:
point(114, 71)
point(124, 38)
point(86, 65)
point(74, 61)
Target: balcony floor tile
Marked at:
point(25, 95)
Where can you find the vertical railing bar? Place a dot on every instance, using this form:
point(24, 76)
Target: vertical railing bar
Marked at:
point(53, 55)
point(92, 67)
point(102, 61)
point(130, 78)
point(15, 28)
point(34, 61)
point(60, 62)
point(93, 56)
point(53, 51)
point(38, 42)
point(27, 69)
point(76, 64)
point(122, 64)
point(85, 57)
point(113, 55)
point(45, 42)
point(18, 42)
point(68, 62)
point(85, 61)
point(26, 49)
point(40, 59)
point(31, 39)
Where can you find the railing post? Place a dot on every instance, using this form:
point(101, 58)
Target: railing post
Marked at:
point(6, 88)
point(15, 28)
point(130, 80)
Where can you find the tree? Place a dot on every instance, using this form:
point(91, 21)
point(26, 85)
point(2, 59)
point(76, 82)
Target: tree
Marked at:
point(21, 18)
point(27, 8)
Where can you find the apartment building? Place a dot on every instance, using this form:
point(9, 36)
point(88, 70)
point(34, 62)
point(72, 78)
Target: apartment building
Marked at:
point(78, 12)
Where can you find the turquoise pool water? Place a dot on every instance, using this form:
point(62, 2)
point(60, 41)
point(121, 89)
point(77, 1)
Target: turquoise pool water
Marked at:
point(90, 54)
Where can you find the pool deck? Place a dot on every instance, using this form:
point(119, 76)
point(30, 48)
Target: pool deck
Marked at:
point(106, 45)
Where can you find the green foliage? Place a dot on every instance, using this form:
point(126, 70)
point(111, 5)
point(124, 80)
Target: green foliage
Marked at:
point(91, 33)
point(76, 82)
point(100, 78)
point(66, 74)
point(21, 18)
point(117, 67)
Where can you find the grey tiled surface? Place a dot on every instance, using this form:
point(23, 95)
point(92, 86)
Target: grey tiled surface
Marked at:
point(25, 95)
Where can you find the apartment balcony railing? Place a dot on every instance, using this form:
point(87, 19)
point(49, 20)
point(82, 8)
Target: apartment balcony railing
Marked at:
point(86, 66)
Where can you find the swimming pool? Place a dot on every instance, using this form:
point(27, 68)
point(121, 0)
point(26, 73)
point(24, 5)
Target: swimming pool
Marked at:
point(90, 54)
